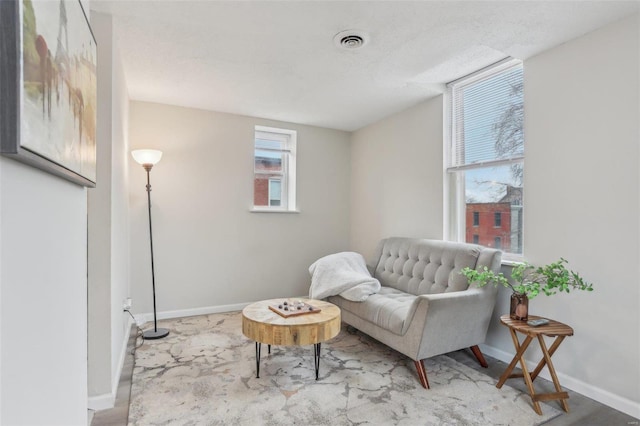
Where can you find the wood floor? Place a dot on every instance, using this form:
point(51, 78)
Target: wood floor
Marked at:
point(583, 411)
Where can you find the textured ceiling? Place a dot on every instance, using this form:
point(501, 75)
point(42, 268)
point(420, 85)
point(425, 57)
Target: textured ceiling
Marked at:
point(277, 60)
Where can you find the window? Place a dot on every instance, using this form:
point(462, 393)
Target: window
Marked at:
point(274, 169)
point(485, 157)
point(476, 239)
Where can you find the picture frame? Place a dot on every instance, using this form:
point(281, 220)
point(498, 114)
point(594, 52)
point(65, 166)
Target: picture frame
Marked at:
point(48, 87)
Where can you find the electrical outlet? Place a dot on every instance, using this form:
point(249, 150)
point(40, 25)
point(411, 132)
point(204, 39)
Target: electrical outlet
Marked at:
point(126, 304)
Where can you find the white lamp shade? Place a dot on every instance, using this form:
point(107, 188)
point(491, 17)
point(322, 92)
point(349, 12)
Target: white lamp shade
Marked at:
point(146, 156)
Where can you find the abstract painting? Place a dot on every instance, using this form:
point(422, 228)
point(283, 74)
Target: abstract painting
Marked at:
point(48, 73)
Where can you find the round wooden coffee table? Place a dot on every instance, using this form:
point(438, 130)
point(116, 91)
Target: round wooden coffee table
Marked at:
point(263, 325)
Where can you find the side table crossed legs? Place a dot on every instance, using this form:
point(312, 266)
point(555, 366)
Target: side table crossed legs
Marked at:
point(530, 377)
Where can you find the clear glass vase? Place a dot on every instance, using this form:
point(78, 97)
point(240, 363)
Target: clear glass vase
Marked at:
point(519, 307)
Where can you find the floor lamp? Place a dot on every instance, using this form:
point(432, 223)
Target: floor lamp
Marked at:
point(148, 158)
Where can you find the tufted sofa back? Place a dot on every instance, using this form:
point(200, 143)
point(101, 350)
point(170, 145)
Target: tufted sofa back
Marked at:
point(419, 266)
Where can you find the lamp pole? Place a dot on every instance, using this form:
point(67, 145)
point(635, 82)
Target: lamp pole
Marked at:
point(148, 158)
point(156, 333)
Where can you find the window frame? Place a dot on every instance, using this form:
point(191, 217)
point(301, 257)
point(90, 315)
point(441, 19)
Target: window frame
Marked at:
point(454, 202)
point(287, 176)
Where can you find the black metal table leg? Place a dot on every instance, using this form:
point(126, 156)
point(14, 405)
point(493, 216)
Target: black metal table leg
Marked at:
point(258, 347)
point(316, 357)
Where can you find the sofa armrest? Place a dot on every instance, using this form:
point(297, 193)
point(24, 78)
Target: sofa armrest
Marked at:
point(458, 299)
point(451, 320)
point(372, 263)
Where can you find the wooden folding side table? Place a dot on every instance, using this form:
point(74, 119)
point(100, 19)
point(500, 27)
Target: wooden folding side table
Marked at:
point(553, 329)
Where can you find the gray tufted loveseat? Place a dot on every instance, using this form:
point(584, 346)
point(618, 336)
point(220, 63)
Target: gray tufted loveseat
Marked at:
point(425, 306)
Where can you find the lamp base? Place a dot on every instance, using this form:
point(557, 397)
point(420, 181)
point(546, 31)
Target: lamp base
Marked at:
point(155, 334)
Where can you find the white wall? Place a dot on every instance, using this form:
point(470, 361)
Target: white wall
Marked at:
point(210, 250)
point(582, 203)
point(396, 177)
point(43, 312)
point(108, 224)
point(99, 208)
point(43, 303)
point(120, 288)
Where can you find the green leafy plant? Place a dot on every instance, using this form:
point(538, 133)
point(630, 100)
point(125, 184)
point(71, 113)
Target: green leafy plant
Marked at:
point(532, 280)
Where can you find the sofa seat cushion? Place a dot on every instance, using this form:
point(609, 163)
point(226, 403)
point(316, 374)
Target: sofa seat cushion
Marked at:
point(390, 309)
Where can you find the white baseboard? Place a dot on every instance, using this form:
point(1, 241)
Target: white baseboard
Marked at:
point(146, 317)
point(180, 313)
point(108, 400)
point(602, 396)
point(123, 355)
point(101, 402)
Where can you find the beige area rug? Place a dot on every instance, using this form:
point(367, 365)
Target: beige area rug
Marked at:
point(203, 373)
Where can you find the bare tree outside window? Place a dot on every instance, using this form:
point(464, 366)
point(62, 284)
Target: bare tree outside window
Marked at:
point(509, 130)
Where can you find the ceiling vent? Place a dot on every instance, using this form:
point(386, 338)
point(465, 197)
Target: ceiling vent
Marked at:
point(350, 39)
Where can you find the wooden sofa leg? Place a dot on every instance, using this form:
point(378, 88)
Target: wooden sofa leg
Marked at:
point(476, 351)
point(422, 374)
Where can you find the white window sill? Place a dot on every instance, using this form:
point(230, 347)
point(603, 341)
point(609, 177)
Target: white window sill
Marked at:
point(513, 260)
point(268, 210)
